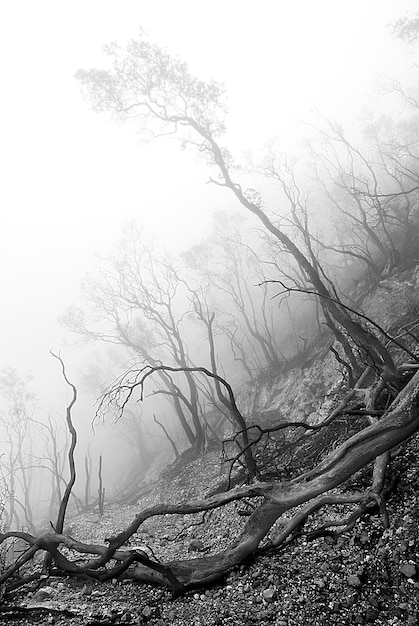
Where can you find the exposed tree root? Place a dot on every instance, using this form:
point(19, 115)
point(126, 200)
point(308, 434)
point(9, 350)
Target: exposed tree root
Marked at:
point(310, 489)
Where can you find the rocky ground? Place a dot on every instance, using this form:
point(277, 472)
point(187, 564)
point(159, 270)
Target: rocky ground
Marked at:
point(369, 576)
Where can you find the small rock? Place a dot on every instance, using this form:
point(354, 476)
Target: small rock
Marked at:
point(350, 600)
point(403, 546)
point(373, 601)
point(371, 614)
point(269, 594)
point(319, 582)
point(408, 569)
point(196, 545)
point(43, 594)
point(364, 537)
point(354, 581)
point(147, 611)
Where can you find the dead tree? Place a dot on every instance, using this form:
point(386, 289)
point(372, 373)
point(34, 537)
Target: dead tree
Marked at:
point(59, 525)
point(139, 302)
point(271, 500)
point(101, 489)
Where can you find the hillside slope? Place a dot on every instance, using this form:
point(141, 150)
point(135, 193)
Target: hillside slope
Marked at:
point(368, 575)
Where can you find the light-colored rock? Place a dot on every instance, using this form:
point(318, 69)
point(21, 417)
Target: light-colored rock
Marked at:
point(353, 580)
point(196, 545)
point(408, 569)
point(43, 594)
point(269, 594)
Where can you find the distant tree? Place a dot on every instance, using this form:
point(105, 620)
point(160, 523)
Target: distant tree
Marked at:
point(370, 190)
point(17, 410)
point(140, 304)
point(406, 28)
point(137, 437)
point(234, 272)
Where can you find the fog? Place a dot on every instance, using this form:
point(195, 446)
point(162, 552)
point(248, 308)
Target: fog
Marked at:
point(71, 179)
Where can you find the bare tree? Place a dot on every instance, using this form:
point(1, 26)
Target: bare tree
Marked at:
point(233, 270)
point(155, 91)
point(308, 492)
point(139, 305)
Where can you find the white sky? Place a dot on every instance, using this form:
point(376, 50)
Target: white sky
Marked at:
point(69, 178)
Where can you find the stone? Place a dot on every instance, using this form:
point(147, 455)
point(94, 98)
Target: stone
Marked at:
point(147, 611)
point(364, 537)
point(371, 614)
point(269, 594)
point(408, 569)
point(353, 580)
point(196, 545)
point(43, 594)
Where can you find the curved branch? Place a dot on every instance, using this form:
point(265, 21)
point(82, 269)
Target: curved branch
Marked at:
point(64, 502)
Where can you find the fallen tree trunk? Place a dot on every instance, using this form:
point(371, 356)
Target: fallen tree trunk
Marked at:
point(397, 425)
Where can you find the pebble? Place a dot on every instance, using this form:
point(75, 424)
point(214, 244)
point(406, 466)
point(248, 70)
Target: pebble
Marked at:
point(353, 580)
point(196, 545)
point(43, 594)
point(147, 611)
point(408, 569)
point(269, 594)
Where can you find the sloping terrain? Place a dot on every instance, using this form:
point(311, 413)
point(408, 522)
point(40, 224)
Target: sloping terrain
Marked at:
point(368, 575)
point(306, 385)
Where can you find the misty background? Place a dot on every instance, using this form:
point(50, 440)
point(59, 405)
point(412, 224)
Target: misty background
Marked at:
point(72, 180)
